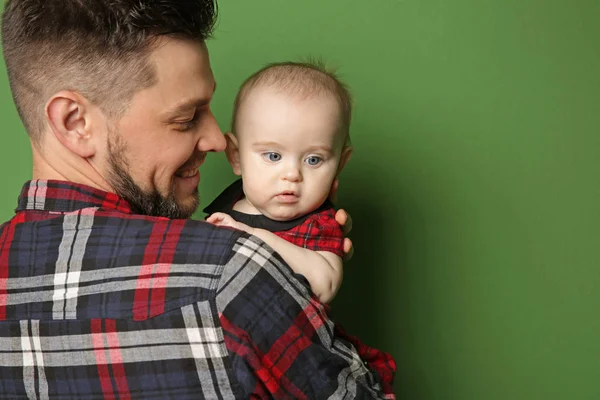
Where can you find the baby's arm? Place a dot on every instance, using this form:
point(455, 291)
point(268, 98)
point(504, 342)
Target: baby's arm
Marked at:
point(322, 269)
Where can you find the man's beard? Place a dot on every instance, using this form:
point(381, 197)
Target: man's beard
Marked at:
point(150, 203)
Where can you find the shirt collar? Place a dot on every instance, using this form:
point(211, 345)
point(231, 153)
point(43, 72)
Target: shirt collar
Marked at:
point(63, 196)
point(225, 201)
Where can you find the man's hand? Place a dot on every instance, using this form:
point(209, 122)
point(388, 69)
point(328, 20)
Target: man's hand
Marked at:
point(344, 219)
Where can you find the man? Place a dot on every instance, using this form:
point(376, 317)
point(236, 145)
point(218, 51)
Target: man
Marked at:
point(107, 289)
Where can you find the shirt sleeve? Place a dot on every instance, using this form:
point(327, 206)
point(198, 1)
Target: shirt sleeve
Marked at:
point(379, 361)
point(320, 232)
point(280, 340)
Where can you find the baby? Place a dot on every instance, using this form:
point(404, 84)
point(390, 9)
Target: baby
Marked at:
point(289, 142)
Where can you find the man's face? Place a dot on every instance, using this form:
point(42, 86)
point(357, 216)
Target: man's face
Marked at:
point(155, 149)
point(289, 151)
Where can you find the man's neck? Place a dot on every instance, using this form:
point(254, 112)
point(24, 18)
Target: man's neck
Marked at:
point(61, 170)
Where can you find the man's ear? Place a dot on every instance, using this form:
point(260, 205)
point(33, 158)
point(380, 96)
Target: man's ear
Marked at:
point(68, 114)
point(344, 158)
point(233, 153)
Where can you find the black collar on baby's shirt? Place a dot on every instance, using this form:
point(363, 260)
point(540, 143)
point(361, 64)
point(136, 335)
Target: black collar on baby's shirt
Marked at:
point(234, 192)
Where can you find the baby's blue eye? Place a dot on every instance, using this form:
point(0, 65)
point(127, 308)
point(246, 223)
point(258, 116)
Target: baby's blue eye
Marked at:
point(272, 156)
point(313, 160)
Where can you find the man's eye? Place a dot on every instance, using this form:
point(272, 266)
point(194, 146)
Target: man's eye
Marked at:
point(188, 125)
point(272, 156)
point(313, 160)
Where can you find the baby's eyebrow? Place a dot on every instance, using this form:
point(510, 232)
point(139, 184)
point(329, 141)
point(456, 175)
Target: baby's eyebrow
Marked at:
point(325, 149)
point(265, 144)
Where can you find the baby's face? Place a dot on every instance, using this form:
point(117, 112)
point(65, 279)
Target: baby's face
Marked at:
point(290, 150)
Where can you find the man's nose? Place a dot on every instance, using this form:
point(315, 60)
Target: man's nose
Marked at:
point(211, 136)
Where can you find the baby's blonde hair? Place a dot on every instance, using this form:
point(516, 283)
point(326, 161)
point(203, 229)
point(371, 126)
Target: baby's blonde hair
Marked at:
point(304, 79)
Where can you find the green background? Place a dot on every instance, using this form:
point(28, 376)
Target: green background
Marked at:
point(474, 186)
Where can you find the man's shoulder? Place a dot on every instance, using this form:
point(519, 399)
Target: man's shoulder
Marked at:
point(199, 242)
point(191, 241)
point(202, 239)
point(130, 238)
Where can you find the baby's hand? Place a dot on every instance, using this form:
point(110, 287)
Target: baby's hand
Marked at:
point(222, 219)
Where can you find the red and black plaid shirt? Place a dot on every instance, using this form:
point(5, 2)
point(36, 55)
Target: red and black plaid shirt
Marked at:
point(318, 231)
point(97, 302)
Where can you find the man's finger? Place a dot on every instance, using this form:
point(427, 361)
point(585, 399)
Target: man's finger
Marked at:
point(341, 217)
point(345, 220)
point(348, 249)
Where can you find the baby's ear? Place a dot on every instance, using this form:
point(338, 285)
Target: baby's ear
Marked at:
point(233, 153)
point(344, 158)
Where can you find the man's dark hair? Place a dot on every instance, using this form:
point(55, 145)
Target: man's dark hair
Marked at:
point(98, 48)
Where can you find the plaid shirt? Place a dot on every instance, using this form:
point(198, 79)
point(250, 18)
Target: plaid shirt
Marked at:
point(97, 302)
point(318, 231)
point(321, 232)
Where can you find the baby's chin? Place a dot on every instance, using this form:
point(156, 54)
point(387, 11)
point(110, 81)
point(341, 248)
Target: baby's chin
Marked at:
point(286, 215)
